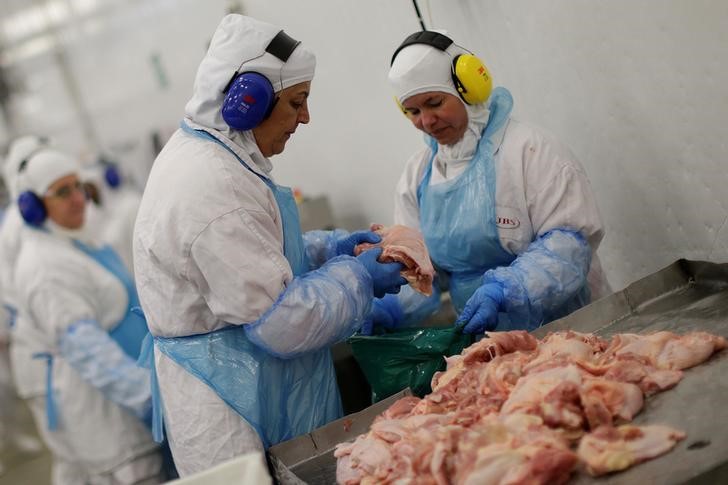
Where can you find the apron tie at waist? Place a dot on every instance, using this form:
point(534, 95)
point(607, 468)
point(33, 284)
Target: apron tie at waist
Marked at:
point(146, 360)
point(51, 409)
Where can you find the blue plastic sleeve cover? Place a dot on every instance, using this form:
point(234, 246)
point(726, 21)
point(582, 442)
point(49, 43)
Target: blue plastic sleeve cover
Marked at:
point(541, 281)
point(320, 246)
point(102, 363)
point(316, 310)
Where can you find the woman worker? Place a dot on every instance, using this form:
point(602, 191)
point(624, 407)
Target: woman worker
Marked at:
point(77, 297)
point(242, 307)
point(506, 210)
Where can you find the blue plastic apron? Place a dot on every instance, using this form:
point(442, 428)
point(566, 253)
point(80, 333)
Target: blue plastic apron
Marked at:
point(457, 217)
point(280, 398)
point(129, 333)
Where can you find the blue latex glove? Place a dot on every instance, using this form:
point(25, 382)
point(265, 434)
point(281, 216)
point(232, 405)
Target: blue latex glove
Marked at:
point(481, 311)
point(346, 245)
point(385, 276)
point(386, 313)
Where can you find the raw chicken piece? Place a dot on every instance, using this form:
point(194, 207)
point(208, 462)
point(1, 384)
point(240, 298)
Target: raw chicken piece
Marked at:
point(404, 245)
point(512, 449)
point(569, 347)
point(604, 400)
point(610, 449)
point(666, 350)
point(485, 350)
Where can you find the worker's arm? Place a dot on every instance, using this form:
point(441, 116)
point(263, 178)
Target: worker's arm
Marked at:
point(89, 349)
point(322, 246)
point(238, 264)
point(544, 277)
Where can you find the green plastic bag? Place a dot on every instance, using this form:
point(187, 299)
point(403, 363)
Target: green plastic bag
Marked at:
point(406, 357)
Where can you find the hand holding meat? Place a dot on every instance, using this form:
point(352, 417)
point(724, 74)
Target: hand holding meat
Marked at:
point(345, 246)
point(385, 276)
point(405, 245)
point(481, 311)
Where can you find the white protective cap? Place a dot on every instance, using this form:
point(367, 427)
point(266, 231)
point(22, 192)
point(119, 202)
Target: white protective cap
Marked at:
point(238, 45)
point(419, 68)
point(43, 169)
point(20, 149)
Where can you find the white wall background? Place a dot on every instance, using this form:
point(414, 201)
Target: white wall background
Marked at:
point(638, 89)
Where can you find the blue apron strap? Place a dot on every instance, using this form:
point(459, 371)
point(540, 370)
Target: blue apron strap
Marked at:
point(146, 360)
point(207, 136)
point(130, 330)
point(12, 314)
point(51, 409)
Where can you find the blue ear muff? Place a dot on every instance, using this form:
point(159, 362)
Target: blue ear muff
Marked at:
point(112, 176)
point(248, 101)
point(31, 208)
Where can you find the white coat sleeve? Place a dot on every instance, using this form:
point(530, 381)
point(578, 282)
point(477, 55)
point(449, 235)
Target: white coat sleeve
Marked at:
point(558, 192)
point(245, 279)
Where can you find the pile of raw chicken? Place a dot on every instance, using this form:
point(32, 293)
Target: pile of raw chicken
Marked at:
point(513, 410)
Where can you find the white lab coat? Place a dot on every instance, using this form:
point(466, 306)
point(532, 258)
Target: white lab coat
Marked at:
point(199, 204)
point(28, 373)
point(10, 237)
point(540, 186)
point(58, 285)
point(122, 205)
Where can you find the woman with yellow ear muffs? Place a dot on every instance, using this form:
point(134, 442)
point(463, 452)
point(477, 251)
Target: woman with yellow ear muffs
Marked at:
point(506, 210)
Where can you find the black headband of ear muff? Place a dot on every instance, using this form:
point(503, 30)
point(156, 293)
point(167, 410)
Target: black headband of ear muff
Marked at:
point(24, 163)
point(281, 46)
point(428, 37)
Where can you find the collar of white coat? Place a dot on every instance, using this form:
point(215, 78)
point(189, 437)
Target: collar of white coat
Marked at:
point(58, 233)
point(243, 144)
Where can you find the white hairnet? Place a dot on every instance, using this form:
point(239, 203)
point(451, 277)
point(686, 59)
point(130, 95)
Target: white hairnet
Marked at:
point(238, 45)
point(419, 68)
point(45, 168)
point(19, 150)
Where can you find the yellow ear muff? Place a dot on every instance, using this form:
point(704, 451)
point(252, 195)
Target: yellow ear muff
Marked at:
point(472, 79)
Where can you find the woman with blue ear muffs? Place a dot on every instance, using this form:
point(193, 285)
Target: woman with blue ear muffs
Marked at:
point(506, 210)
point(76, 297)
point(242, 307)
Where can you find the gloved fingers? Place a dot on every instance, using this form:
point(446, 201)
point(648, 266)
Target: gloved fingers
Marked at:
point(367, 327)
point(359, 237)
point(393, 267)
point(397, 286)
point(467, 314)
point(477, 322)
point(373, 253)
point(382, 317)
point(485, 319)
point(394, 289)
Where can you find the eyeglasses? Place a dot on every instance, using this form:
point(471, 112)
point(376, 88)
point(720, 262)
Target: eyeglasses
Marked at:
point(66, 191)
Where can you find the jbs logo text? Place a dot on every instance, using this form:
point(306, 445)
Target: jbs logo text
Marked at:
point(507, 222)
